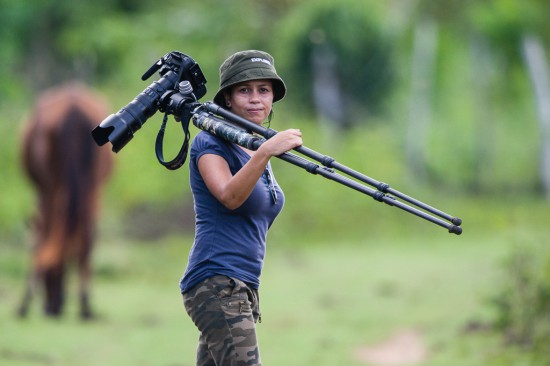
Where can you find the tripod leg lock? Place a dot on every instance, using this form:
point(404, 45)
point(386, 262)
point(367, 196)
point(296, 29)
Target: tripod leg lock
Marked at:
point(378, 196)
point(311, 168)
point(327, 161)
point(383, 187)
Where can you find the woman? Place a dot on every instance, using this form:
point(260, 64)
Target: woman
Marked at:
point(236, 201)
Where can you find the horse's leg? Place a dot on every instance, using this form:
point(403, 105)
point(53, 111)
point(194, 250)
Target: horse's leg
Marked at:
point(52, 257)
point(54, 287)
point(85, 274)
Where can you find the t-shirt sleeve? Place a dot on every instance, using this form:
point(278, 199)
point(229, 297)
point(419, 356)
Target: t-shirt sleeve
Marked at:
point(205, 143)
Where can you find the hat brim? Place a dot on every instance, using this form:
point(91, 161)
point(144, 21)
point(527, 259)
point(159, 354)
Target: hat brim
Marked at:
point(279, 90)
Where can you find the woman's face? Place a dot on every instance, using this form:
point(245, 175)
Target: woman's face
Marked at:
point(251, 99)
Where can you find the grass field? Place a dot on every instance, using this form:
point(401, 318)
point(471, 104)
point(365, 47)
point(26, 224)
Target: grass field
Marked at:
point(322, 302)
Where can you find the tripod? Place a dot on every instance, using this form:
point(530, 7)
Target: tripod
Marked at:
point(239, 130)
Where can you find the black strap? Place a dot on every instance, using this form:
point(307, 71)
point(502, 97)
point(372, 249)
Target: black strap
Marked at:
point(180, 158)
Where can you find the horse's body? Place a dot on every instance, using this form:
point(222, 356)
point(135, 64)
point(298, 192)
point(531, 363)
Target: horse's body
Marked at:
point(67, 171)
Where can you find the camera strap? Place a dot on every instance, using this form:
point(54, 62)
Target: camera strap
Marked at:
point(180, 158)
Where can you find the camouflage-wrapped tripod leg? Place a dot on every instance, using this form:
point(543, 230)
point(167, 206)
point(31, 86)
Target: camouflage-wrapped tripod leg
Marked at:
point(225, 311)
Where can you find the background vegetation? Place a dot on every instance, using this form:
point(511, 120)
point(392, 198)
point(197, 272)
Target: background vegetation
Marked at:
point(447, 101)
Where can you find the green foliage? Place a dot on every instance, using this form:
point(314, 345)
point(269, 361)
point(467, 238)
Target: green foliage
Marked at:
point(496, 125)
point(351, 33)
point(483, 138)
point(522, 300)
point(16, 200)
point(505, 22)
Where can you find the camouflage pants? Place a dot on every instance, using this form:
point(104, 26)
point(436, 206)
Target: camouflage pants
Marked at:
point(225, 310)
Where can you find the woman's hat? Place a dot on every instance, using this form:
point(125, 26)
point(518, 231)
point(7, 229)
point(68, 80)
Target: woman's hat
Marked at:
point(249, 65)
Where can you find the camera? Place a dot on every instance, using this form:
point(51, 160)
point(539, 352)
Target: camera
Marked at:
point(181, 84)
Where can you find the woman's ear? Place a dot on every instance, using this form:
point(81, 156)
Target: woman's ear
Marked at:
point(227, 99)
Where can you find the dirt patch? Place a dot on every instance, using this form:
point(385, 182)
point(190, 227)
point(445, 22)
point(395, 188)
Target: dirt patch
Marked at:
point(405, 348)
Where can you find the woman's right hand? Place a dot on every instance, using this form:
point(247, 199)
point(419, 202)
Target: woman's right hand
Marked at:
point(282, 142)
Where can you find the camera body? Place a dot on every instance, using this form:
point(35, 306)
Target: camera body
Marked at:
point(162, 95)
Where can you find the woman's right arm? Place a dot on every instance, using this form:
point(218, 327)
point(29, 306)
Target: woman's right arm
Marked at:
point(233, 190)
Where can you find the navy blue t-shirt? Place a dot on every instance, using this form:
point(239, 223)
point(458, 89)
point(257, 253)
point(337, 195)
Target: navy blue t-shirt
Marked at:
point(228, 242)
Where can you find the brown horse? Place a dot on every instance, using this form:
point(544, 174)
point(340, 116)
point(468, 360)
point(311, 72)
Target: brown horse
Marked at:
point(67, 171)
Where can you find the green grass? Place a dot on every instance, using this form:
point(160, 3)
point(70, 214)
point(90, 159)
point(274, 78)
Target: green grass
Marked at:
point(320, 300)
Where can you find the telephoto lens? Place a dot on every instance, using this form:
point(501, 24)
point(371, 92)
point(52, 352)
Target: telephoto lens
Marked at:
point(119, 128)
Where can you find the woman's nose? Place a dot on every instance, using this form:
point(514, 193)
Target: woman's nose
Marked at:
point(255, 95)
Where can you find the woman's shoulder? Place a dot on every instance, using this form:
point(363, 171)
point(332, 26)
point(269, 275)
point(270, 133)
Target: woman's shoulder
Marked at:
point(204, 137)
point(204, 141)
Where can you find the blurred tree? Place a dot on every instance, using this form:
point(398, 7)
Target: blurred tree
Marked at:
point(503, 35)
point(423, 64)
point(339, 59)
point(520, 31)
point(426, 20)
point(535, 58)
point(13, 17)
point(48, 40)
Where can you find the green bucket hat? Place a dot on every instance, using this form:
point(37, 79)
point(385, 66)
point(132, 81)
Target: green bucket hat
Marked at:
point(249, 65)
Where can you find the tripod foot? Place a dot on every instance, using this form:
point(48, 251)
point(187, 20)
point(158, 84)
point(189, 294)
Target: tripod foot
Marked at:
point(455, 230)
